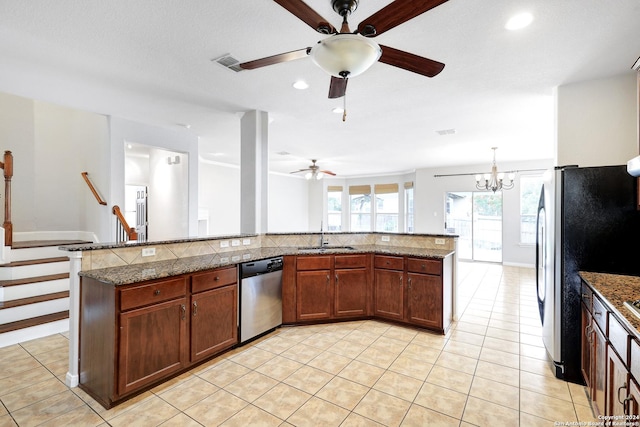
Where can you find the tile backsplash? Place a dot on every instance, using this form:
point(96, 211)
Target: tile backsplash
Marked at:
point(121, 256)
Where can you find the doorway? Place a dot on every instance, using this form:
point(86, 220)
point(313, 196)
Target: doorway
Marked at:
point(476, 217)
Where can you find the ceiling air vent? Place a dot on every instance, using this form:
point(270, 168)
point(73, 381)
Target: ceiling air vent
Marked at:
point(228, 61)
point(444, 132)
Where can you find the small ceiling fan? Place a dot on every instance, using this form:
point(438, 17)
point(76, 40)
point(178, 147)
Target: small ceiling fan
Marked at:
point(346, 54)
point(313, 171)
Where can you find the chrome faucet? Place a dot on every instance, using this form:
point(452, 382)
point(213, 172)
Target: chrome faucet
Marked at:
point(322, 242)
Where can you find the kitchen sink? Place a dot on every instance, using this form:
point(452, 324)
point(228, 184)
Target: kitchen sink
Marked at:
point(313, 249)
point(633, 306)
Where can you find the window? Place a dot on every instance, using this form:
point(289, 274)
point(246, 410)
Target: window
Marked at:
point(408, 207)
point(360, 205)
point(387, 206)
point(530, 186)
point(334, 208)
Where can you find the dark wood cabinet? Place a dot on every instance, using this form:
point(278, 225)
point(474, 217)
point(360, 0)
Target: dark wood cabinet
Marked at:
point(313, 289)
point(153, 343)
point(389, 294)
point(599, 372)
point(332, 286)
point(617, 387)
point(134, 336)
point(213, 321)
point(586, 366)
point(424, 300)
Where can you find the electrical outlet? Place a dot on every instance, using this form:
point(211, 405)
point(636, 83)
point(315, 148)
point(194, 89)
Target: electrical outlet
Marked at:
point(246, 242)
point(386, 238)
point(235, 258)
point(246, 256)
point(235, 242)
point(224, 259)
point(439, 241)
point(224, 244)
point(148, 251)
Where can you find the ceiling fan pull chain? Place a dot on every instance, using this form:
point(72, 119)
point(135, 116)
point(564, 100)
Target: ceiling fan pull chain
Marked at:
point(344, 107)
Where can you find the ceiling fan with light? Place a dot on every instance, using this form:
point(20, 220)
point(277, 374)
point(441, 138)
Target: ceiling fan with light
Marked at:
point(346, 54)
point(313, 171)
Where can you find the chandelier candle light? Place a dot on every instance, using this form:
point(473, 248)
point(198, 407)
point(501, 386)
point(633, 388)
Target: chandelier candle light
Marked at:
point(494, 181)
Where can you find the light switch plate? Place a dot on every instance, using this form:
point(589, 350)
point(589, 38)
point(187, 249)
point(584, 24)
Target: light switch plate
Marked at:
point(235, 242)
point(246, 242)
point(386, 238)
point(439, 241)
point(224, 244)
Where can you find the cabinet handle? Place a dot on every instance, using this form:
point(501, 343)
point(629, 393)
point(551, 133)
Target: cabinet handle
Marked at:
point(336, 279)
point(586, 296)
point(195, 308)
point(587, 333)
point(597, 313)
point(401, 280)
point(156, 292)
point(620, 388)
point(328, 279)
point(183, 309)
point(626, 407)
point(217, 278)
point(409, 282)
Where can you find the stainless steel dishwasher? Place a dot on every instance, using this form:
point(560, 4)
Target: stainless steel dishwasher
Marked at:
point(260, 297)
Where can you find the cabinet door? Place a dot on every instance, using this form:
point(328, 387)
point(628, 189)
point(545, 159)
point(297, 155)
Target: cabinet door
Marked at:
point(313, 295)
point(153, 344)
point(617, 384)
point(214, 321)
point(633, 401)
point(389, 294)
point(587, 347)
point(351, 292)
point(424, 302)
point(599, 372)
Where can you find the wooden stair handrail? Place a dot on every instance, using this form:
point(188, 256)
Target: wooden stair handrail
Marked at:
point(7, 165)
point(85, 175)
point(129, 231)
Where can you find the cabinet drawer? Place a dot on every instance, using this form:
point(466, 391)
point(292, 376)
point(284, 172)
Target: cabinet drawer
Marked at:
point(152, 293)
point(587, 296)
point(619, 338)
point(213, 279)
point(426, 266)
point(314, 262)
point(389, 262)
point(635, 359)
point(351, 261)
point(600, 314)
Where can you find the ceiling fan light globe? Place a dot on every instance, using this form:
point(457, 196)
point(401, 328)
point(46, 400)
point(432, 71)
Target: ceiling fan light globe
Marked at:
point(308, 175)
point(352, 53)
point(319, 175)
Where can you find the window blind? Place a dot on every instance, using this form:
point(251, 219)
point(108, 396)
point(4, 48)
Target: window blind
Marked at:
point(359, 189)
point(385, 188)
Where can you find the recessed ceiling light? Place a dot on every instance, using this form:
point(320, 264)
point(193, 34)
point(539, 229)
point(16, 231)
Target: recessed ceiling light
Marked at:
point(301, 85)
point(519, 21)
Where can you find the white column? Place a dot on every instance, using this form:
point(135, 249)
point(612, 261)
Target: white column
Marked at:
point(254, 172)
point(75, 264)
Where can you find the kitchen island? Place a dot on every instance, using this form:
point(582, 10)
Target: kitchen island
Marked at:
point(143, 323)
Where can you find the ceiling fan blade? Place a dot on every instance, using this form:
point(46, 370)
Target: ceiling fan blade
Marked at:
point(276, 59)
point(328, 173)
point(337, 87)
point(300, 170)
point(307, 15)
point(409, 61)
point(394, 14)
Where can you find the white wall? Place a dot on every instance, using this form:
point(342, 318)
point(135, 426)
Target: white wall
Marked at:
point(219, 194)
point(179, 140)
point(430, 204)
point(52, 145)
point(288, 204)
point(597, 121)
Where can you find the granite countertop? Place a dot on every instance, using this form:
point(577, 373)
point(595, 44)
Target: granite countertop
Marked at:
point(161, 269)
point(615, 289)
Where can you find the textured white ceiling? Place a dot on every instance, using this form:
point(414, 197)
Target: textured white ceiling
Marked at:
point(150, 61)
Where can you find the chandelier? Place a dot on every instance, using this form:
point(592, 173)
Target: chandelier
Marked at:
point(494, 181)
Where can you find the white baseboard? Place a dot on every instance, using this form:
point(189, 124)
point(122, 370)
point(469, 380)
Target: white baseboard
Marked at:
point(517, 264)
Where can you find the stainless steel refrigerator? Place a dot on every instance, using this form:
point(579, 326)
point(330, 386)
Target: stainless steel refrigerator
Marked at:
point(587, 221)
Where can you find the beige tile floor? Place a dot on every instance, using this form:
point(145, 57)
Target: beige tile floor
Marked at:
point(489, 370)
